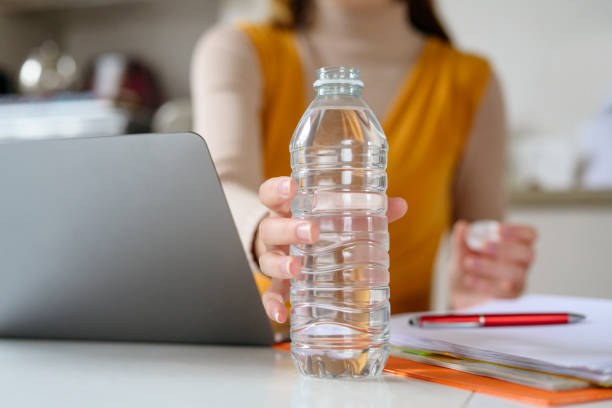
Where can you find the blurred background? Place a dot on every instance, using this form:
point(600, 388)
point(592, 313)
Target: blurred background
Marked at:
point(104, 67)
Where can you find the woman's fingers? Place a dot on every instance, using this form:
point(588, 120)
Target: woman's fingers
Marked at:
point(499, 270)
point(287, 231)
point(274, 300)
point(397, 207)
point(460, 230)
point(504, 288)
point(276, 194)
point(496, 278)
point(518, 232)
point(511, 251)
point(276, 264)
point(493, 269)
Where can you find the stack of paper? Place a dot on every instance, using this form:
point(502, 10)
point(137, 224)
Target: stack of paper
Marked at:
point(552, 382)
point(580, 350)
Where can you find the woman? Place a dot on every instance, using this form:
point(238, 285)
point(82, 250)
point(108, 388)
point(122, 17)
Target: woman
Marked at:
point(441, 110)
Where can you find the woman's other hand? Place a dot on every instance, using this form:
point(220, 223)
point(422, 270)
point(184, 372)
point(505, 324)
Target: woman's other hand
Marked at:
point(499, 270)
point(278, 231)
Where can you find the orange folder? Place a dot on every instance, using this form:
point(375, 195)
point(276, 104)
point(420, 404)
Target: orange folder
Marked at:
point(486, 385)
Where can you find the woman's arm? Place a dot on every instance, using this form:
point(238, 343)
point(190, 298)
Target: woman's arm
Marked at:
point(478, 189)
point(227, 100)
point(500, 268)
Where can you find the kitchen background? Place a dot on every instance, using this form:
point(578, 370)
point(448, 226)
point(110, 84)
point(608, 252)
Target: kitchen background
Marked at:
point(117, 61)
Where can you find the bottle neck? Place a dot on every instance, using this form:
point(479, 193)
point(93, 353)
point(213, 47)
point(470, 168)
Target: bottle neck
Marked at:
point(339, 89)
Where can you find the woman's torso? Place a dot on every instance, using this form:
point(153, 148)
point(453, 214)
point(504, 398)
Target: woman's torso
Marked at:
point(433, 96)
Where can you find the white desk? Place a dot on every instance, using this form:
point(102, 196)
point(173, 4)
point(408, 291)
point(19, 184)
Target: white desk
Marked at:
point(66, 374)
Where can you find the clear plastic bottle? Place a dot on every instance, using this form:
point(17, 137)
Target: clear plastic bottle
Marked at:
point(340, 301)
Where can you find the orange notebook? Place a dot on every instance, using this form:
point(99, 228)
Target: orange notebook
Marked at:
point(486, 385)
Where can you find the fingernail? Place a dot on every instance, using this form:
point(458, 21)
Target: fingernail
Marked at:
point(277, 317)
point(284, 188)
point(288, 268)
point(303, 232)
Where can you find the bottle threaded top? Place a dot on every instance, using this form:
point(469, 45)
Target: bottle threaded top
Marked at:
point(338, 76)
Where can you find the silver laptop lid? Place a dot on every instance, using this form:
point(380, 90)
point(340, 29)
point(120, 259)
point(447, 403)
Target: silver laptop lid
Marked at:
point(122, 238)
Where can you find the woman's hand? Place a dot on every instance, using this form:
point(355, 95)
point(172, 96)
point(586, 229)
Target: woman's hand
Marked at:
point(277, 231)
point(498, 271)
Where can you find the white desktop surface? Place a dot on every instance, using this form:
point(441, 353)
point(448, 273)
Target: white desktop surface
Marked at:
point(65, 374)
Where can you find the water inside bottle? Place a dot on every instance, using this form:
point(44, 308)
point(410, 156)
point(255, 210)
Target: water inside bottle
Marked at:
point(340, 301)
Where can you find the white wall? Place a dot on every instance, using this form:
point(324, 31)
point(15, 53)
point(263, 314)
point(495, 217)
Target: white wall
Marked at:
point(554, 57)
point(573, 250)
point(236, 10)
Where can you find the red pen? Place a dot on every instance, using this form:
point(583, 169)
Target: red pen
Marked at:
point(486, 320)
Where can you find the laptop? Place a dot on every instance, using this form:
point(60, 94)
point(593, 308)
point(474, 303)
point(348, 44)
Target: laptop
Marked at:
point(125, 238)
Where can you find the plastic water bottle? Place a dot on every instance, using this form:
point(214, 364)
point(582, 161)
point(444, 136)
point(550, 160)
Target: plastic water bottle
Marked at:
point(340, 301)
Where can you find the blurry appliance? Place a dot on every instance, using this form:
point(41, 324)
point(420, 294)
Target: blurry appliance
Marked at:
point(126, 80)
point(129, 83)
point(47, 71)
point(596, 147)
point(105, 81)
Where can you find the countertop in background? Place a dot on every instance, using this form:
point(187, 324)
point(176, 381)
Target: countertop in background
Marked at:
point(561, 198)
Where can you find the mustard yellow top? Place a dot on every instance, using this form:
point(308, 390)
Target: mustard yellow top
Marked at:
point(426, 128)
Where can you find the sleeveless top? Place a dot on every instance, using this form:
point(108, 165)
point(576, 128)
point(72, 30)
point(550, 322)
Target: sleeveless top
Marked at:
point(426, 128)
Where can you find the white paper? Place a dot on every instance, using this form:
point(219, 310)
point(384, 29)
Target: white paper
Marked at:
point(582, 349)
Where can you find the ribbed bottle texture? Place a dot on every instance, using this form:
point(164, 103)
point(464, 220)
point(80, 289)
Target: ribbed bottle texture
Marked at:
point(340, 301)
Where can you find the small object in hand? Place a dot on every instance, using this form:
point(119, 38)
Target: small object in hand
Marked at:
point(481, 232)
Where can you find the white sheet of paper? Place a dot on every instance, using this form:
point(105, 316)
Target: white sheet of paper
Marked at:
point(583, 349)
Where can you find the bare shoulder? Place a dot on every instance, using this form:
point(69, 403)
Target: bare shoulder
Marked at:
point(490, 118)
point(225, 40)
point(479, 83)
point(225, 58)
point(492, 98)
point(479, 186)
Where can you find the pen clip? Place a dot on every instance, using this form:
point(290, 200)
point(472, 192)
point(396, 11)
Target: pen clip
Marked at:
point(416, 320)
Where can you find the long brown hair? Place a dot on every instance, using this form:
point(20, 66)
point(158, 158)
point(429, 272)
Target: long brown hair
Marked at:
point(421, 15)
